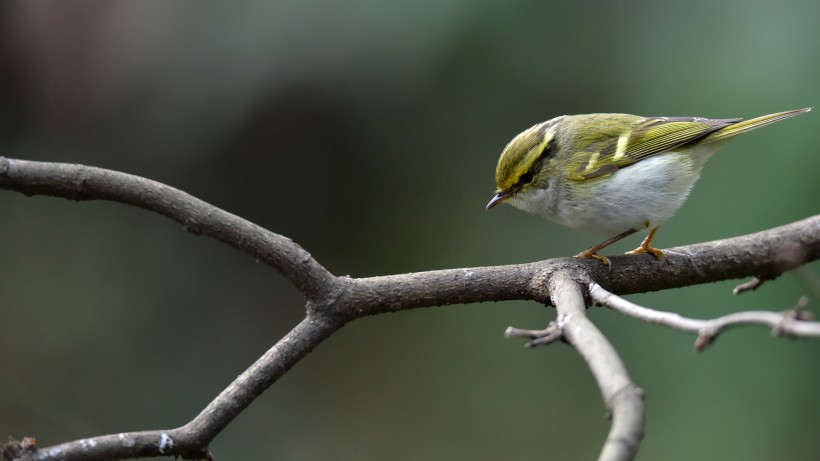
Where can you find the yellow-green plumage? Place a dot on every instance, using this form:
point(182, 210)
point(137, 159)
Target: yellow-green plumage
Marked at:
point(612, 173)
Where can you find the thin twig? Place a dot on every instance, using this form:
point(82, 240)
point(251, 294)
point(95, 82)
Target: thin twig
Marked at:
point(553, 332)
point(789, 323)
point(751, 285)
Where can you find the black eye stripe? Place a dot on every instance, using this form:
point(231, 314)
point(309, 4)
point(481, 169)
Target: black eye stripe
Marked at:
point(549, 150)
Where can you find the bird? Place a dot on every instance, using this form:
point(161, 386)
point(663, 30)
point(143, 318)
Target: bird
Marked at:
point(613, 174)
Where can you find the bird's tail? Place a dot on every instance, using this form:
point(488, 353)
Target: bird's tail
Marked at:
point(751, 124)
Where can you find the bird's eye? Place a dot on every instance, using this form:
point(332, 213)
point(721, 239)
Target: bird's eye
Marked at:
point(525, 178)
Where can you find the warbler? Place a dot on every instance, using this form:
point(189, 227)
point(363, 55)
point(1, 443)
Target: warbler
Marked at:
point(614, 174)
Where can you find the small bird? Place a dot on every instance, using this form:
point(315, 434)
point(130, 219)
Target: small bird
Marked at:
point(613, 174)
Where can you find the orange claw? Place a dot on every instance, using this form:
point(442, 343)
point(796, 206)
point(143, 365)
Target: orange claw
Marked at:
point(593, 255)
point(646, 248)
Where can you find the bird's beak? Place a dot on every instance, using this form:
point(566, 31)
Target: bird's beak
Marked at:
point(499, 197)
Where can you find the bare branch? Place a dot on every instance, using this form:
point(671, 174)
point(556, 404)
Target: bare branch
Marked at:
point(751, 285)
point(334, 301)
point(622, 397)
point(302, 339)
point(544, 337)
point(79, 183)
point(793, 322)
point(789, 255)
point(191, 440)
point(744, 256)
point(768, 253)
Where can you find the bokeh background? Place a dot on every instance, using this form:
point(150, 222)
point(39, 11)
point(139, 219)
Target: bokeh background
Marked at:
point(368, 132)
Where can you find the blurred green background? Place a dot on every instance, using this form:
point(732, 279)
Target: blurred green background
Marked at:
point(368, 132)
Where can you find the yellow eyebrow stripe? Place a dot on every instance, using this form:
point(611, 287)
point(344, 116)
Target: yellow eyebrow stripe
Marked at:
point(535, 152)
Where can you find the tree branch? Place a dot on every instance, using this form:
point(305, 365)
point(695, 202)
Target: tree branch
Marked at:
point(623, 399)
point(80, 183)
point(794, 322)
point(333, 301)
point(768, 253)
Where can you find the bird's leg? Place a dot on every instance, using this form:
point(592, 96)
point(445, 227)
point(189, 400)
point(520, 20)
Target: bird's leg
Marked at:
point(592, 252)
point(645, 248)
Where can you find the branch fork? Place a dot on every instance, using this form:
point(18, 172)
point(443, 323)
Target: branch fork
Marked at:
point(332, 301)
